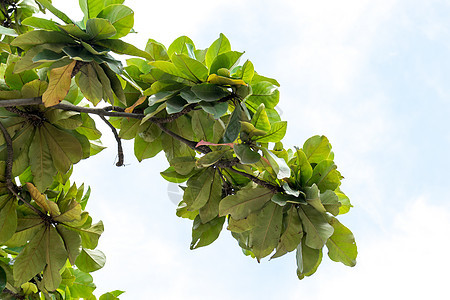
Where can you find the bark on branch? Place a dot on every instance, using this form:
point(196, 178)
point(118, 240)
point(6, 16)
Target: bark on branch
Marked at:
point(118, 140)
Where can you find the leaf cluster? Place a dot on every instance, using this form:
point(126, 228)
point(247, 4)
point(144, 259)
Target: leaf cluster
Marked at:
point(213, 117)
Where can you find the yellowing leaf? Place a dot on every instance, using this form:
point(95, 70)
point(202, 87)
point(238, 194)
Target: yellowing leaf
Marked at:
point(137, 103)
point(221, 80)
point(59, 84)
point(46, 205)
point(29, 288)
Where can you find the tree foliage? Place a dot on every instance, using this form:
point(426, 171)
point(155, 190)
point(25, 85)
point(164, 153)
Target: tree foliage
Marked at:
point(214, 118)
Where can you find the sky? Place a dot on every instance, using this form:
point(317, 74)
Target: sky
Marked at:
point(373, 77)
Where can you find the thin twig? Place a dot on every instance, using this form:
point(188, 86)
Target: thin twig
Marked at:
point(8, 170)
point(119, 141)
point(258, 181)
point(189, 143)
point(105, 112)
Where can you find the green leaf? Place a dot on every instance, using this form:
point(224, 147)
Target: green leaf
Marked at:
point(90, 260)
point(17, 80)
point(47, 55)
point(59, 84)
point(315, 226)
point(219, 46)
point(72, 242)
point(276, 133)
point(179, 46)
point(304, 168)
point(240, 226)
point(170, 175)
point(26, 62)
point(64, 148)
point(71, 213)
point(279, 165)
point(244, 202)
point(216, 109)
point(234, 126)
point(121, 17)
point(89, 84)
point(331, 202)
point(225, 60)
point(245, 154)
point(183, 212)
point(292, 235)
point(192, 68)
point(205, 234)
point(211, 158)
point(8, 217)
point(156, 50)
point(209, 92)
point(248, 131)
point(83, 285)
point(31, 260)
point(172, 147)
point(88, 128)
point(169, 68)
point(121, 47)
point(89, 236)
point(91, 8)
point(56, 256)
point(199, 189)
point(317, 148)
point(264, 92)
point(202, 125)
point(325, 176)
point(39, 37)
point(258, 78)
point(129, 128)
point(247, 72)
point(34, 88)
point(313, 198)
point(41, 23)
point(144, 149)
point(210, 210)
point(175, 104)
point(308, 260)
point(48, 5)
point(8, 31)
point(260, 119)
point(266, 233)
point(75, 30)
point(115, 83)
point(41, 161)
point(183, 165)
point(341, 245)
point(99, 29)
point(345, 203)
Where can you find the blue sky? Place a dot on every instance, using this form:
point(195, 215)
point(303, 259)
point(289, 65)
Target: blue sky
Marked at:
point(370, 75)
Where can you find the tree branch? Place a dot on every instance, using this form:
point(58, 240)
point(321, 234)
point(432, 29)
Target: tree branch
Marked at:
point(119, 141)
point(21, 102)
